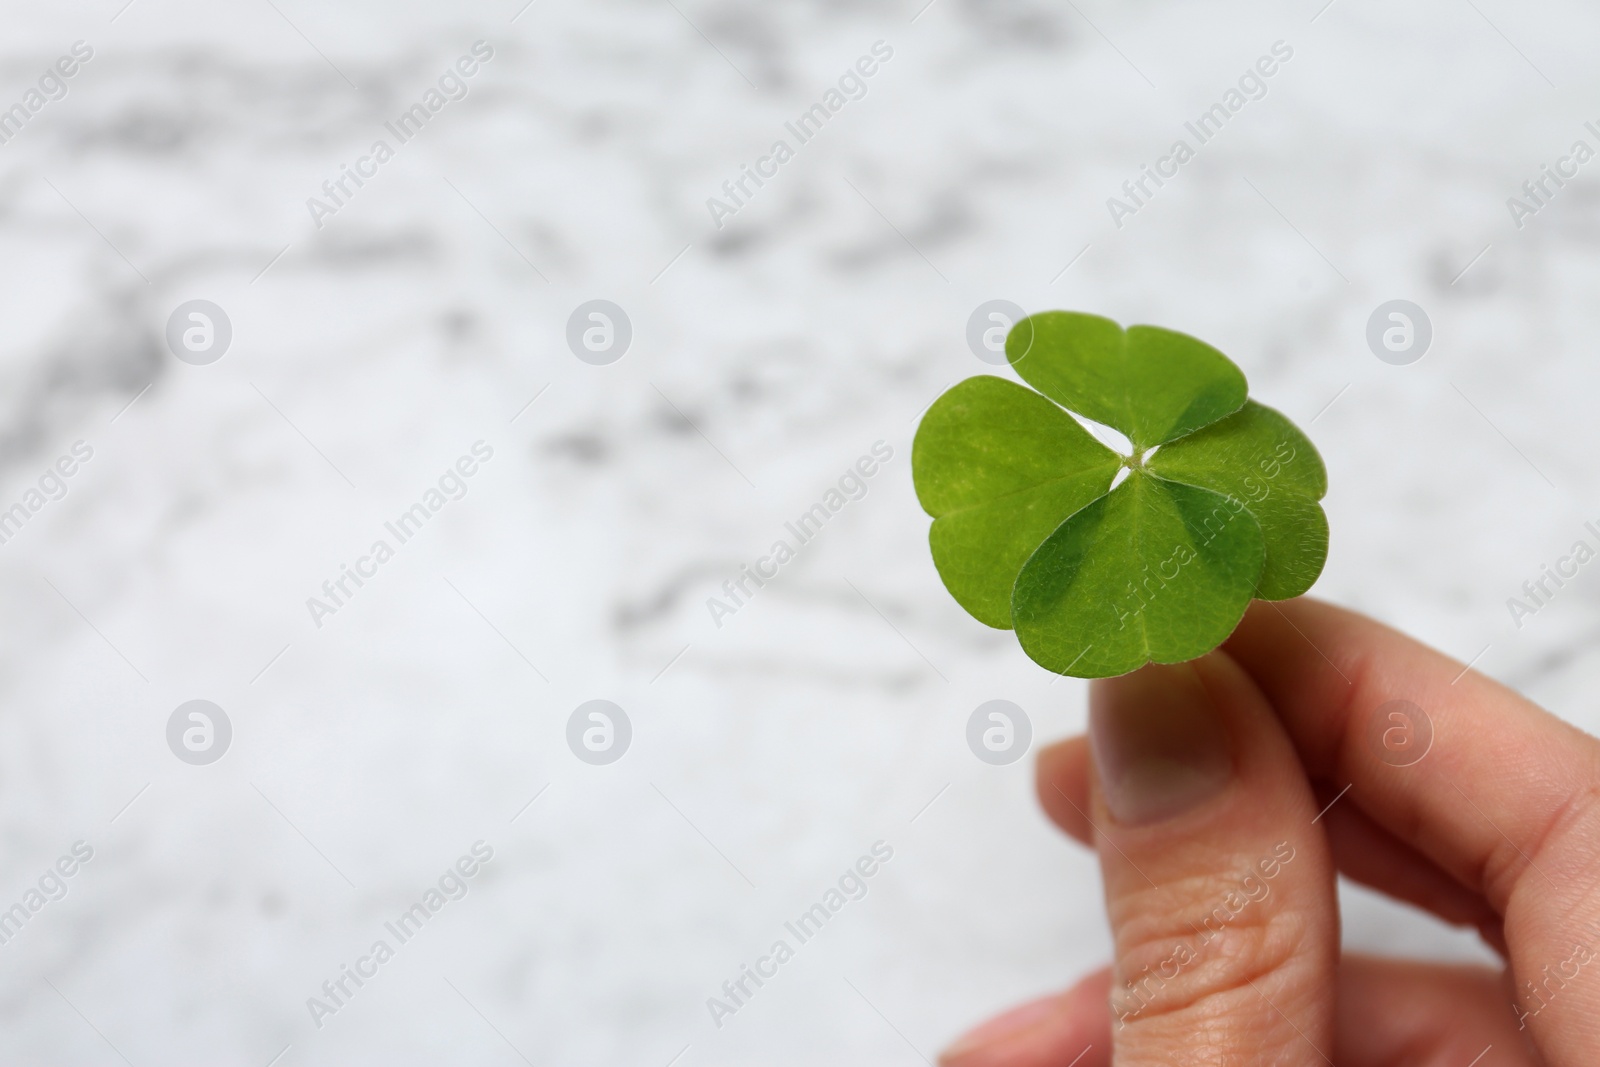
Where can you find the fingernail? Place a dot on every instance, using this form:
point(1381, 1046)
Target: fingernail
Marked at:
point(968, 1049)
point(1159, 744)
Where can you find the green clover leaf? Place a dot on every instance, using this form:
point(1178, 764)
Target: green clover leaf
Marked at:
point(1032, 530)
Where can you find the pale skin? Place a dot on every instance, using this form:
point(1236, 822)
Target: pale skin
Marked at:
point(1196, 780)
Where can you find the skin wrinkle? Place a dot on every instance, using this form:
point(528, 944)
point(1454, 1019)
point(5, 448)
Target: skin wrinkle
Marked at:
point(1218, 1011)
point(1240, 980)
point(1269, 941)
point(1570, 814)
point(1540, 914)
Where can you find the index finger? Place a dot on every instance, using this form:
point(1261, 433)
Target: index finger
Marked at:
point(1494, 789)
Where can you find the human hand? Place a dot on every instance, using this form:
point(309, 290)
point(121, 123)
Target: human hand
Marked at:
point(1200, 785)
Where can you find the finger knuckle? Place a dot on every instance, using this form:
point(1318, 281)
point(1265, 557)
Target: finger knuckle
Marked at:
point(1210, 953)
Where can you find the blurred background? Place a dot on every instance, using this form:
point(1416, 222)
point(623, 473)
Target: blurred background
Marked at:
point(350, 358)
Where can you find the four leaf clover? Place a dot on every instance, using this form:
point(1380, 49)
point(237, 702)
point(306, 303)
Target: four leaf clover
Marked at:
point(1103, 562)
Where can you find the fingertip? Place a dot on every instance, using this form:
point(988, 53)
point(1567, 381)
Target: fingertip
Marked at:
point(1061, 780)
point(1070, 1027)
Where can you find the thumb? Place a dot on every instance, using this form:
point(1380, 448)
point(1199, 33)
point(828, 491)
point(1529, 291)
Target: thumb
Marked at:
point(1219, 886)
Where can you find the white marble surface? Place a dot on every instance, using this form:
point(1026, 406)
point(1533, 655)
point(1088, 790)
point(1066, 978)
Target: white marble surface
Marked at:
point(822, 318)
